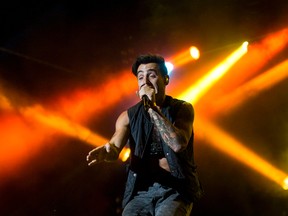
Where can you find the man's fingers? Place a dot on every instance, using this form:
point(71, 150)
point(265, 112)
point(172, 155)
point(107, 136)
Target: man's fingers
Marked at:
point(107, 147)
point(88, 157)
point(97, 155)
point(92, 162)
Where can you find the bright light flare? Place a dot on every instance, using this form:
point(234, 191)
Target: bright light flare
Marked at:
point(285, 183)
point(124, 154)
point(245, 46)
point(169, 67)
point(236, 149)
point(194, 52)
point(195, 92)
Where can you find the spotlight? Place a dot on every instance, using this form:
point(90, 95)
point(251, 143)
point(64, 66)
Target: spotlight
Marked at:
point(194, 52)
point(245, 46)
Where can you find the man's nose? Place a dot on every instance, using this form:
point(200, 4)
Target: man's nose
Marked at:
point(146, 80)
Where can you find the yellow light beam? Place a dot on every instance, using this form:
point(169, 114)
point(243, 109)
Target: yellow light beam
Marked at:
point(195, 92)
point(251, 89)
point(236, 149)
point(260, 54)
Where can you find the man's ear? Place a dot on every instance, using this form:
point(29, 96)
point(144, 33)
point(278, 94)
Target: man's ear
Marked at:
point(166, 80)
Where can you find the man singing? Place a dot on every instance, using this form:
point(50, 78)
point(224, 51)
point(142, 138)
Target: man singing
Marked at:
point(162, 178)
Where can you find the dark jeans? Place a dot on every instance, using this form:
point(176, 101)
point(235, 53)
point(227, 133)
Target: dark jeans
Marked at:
point(158, 200)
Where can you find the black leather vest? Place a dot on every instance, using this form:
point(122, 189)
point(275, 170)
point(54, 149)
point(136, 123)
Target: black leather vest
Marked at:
point(182, 165)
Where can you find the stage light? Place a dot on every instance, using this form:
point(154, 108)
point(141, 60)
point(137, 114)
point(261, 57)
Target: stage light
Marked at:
point(195, 92)
point(245, 46)
point(169, 67)
point(194, 52)
point(185, 56)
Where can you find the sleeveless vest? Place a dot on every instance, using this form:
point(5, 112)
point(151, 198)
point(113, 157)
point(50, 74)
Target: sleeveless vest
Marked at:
point(182, 165)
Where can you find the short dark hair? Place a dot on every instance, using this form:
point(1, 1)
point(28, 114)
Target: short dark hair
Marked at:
point(150, 58)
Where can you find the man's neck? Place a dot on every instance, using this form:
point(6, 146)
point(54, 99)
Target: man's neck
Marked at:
point(160, 101)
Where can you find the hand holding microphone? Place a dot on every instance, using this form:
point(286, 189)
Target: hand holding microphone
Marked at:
point(147, 95)
point(146, 102)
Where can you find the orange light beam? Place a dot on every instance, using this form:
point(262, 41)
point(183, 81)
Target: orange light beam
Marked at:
point(69, 128)
point(260, 53)
point(252, 88)
point(63, 125)
point(86, 102)
point(18, 142)
point(236, 149)
point(195, 92)
point(5, 103)
point(185, 56)
point(110, 93)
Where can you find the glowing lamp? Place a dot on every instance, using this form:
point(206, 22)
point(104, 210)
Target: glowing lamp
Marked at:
point(194, 52)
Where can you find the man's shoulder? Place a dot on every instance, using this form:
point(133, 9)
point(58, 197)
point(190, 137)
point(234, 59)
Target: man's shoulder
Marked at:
point(134, 109)
point(135, 106)
point(176, 102)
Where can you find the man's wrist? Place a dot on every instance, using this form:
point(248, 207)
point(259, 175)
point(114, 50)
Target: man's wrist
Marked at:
point(114, 148)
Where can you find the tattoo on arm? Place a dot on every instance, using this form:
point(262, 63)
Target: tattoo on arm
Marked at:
point(166, 130)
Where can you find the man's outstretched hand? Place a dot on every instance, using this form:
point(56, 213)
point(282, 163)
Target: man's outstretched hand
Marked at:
point(105, 153)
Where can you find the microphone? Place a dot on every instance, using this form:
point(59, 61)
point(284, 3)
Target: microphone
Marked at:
point(146, 102)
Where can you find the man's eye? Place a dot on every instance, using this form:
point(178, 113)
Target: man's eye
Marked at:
point(140, 78)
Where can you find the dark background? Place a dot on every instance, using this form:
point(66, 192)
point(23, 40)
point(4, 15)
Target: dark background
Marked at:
point(49, 47)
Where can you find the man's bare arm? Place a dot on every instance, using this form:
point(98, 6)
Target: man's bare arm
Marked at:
point(110, 151)
point(176, 135)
